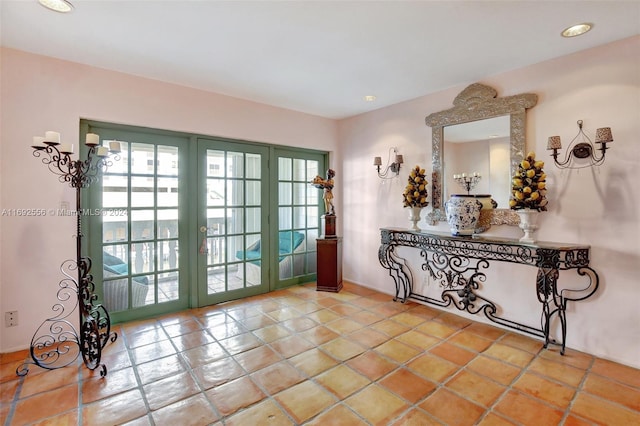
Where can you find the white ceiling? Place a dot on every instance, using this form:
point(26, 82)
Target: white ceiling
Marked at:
point(318, 57)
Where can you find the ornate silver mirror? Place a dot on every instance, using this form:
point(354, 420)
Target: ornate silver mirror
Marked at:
point(478, 110)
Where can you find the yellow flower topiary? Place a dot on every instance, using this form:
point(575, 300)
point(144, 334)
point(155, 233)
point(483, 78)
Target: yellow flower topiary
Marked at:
point(528, 186)
point(415, 194)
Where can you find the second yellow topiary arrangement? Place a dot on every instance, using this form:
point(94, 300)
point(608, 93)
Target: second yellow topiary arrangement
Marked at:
point(415, 193)
point(528, 185)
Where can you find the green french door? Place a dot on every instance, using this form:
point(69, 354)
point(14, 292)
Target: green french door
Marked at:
point(258, 224)
point(138, 241)
point(233, 215)
point(297, 211)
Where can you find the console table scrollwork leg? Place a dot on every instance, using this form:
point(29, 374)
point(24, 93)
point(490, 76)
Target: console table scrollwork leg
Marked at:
point(398, 270)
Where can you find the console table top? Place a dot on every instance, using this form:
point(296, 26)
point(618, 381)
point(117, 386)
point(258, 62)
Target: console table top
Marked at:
point(488, 239)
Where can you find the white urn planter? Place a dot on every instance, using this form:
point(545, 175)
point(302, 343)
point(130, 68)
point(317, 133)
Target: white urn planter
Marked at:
point(529, 224)
point(414, 217)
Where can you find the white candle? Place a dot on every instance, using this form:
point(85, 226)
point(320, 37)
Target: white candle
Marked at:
point(464, 175)
point(53, 137)
point(102, 151)
point(66, 148)
point(114, 146)
point(92, 139)
point(38, 141)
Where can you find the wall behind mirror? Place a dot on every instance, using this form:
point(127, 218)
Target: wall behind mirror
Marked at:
point(481, 146)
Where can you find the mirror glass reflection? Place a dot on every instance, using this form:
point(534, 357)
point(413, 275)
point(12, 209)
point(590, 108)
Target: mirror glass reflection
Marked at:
point(481, 147)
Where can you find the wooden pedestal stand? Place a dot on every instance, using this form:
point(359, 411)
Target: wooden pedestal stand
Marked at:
point(329, 276)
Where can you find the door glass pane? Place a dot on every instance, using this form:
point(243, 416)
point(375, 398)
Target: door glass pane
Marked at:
point(284, 193)
point(215, 192)
point(142, 224)
point(115, 225)
point(143, 158)
point(167, 223)
point(253, 193)
point(168, 160)
point(146, 236)
point(215, 163)
point(254, 216)
point(168, 287)
point(235, 220)
point(298, 215)
point(216, 221)
point(235, 164)
point(235, 193)
point(300, 192)
point(167, 192)
point(142, 258)
point(142, 191)
point(284, 168)
point(254, 166)
point(284, 218)
point(299, 169)
point(115, 191)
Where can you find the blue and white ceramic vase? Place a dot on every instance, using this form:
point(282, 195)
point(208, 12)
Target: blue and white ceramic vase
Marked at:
point(463, 214)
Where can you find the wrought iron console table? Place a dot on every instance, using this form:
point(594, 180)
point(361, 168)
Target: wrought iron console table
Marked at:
point(457, 263)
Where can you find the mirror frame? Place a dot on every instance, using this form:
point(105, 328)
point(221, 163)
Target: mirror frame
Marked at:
point(477, 102)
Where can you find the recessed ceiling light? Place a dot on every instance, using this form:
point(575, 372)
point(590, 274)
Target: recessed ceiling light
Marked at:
point(62, 6)
point(369, 98)
point(576, 30)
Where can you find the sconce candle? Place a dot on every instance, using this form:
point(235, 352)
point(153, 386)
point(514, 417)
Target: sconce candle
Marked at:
point(114, 146)
point(92, 139)
point(66, 148)
point(38, 143)
point(52, 138)
point(102, 151)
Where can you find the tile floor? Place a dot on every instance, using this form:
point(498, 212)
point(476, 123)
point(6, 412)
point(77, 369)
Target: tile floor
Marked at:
point(299, 356)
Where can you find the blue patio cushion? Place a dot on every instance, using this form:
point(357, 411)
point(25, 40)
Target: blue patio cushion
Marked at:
point(117, 266)
point(287, 243)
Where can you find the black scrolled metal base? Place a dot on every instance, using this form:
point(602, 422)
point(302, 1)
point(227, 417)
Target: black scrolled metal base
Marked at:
point(457, 264)
point(57, 343)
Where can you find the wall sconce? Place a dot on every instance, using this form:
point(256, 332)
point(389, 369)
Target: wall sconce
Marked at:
point(581, 147)
point(391, 167)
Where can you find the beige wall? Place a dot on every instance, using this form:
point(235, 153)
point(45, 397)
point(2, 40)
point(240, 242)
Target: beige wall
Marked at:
point(597, 206)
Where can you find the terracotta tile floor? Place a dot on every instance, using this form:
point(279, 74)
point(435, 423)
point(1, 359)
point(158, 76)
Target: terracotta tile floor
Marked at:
point(298, 356)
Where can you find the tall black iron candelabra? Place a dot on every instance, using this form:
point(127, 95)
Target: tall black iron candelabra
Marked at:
point(57, 343)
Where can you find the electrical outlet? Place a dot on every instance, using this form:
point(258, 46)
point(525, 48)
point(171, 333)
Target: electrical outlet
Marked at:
point(425, 280)
point(11, 318)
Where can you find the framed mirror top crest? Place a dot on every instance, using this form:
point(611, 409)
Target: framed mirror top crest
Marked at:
point(474, 103)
